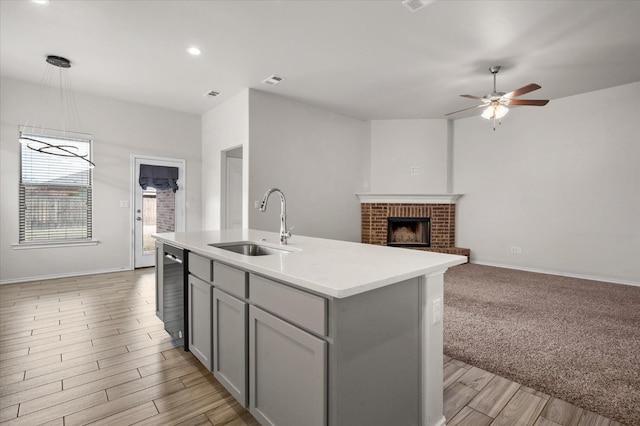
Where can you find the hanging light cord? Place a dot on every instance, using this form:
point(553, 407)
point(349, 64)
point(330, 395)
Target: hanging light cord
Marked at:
point(69, 115)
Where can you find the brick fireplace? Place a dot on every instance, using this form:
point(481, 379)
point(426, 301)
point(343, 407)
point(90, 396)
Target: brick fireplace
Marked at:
point(440, 210)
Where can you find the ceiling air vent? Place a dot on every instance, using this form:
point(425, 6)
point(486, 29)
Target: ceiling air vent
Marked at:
point(213, 93)
point(272, 81)
point(415, 5)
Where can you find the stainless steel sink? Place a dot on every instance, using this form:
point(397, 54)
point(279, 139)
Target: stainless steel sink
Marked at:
point(249, 249)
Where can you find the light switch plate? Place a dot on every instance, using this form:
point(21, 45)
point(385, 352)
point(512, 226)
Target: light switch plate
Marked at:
point(124, 204)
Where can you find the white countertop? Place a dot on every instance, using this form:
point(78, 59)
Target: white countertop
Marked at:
point(328, 267)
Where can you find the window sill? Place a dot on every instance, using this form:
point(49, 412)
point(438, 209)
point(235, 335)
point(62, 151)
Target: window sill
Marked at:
point(29, 246)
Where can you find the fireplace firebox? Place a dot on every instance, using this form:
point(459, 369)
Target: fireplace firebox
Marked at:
point(409, 231)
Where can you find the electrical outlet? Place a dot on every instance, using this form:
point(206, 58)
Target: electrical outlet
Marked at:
point(518, 250)
point(415, 171)
point(513, 249)
point(256, 204)
point(124, 204)
point(437, 311)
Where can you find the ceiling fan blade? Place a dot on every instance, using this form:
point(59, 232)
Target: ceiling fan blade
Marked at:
point(523, 90)
point(477, 106)
point(533, 102)
point(471, 97)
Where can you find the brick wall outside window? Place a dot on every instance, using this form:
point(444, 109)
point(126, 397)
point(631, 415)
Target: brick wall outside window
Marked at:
point(165, 210)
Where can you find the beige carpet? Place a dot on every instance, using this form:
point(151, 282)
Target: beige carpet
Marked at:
point(574, 339)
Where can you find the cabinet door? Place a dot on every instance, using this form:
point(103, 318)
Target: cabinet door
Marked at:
point(159, 283)
point(287, 373)
point(200, 320)
point(230, 344)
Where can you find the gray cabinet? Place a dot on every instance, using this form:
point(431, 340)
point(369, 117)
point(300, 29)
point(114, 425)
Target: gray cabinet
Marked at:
point(230, 344)
point(200, 320)
point(293, 356)
point(296, 306)
point(159, 283)
point(201, 267)
point(287, 372)
point(232, 280)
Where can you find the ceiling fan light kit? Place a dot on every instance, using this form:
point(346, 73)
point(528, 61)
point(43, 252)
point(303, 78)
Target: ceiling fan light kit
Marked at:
point(495, 112)
point(496, 102)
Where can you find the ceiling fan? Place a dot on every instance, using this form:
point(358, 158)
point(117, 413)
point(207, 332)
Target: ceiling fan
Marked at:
point(496, 102)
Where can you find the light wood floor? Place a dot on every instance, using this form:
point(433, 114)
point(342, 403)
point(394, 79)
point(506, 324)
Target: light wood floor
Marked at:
point(474, 397)
point(90, 350)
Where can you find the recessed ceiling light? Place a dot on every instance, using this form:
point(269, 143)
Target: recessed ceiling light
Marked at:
point(272, 81)
point(41, 1)
point(193, 51)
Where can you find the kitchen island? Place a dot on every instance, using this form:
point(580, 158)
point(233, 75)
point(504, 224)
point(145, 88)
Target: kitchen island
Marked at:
point(323, 332)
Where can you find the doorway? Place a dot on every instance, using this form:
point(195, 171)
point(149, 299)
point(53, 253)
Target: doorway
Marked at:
point(232, 187)
point(155, 210)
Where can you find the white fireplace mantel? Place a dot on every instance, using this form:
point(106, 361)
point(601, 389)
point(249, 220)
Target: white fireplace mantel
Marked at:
point(370, 197)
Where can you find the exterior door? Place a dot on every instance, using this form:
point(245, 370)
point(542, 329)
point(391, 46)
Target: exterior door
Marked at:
point(154, 210)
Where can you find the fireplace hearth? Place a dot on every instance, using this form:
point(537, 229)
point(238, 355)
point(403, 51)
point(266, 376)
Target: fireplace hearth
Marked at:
point(409, 231)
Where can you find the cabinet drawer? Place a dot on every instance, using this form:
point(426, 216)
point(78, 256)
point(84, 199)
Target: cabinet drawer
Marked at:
point(297, 306)
point(230, 279)
point(201, 267)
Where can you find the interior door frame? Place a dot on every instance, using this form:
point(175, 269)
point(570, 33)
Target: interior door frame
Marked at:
point(227, 196)
point(180, 201)
point(224, 186)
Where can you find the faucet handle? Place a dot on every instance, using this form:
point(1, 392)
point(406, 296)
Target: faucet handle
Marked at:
point(284, 236)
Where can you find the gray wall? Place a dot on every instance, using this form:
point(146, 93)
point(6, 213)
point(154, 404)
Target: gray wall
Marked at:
point(223, 128)
point(562, 182)
point(399, 145)
point(119, 129)
point(316, 157)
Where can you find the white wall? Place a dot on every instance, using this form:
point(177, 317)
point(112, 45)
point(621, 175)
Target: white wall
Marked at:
point(562, 182)
point(317, 158)
point(399, 145)
point(119, 129)
point(223, 128)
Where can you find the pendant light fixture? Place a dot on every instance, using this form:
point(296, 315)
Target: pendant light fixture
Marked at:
point(60, 142)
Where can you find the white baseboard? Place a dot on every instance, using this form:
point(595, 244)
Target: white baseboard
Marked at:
point(442, 422)
point(65, 275)
point(562, 274)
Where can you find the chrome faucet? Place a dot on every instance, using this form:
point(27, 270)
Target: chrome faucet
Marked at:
point(284, 232)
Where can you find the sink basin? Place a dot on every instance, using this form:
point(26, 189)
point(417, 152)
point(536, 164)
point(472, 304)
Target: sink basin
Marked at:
point(249, 249)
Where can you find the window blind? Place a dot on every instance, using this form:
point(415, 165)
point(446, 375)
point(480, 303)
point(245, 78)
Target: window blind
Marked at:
point(55, 194)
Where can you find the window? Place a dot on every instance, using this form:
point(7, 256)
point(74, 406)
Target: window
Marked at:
point(55, 191)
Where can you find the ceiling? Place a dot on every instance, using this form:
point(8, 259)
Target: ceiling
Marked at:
point(364, 59)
